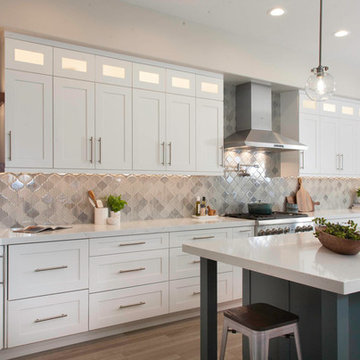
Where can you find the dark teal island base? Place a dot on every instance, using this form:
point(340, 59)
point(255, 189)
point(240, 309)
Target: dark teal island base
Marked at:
point(329, 323)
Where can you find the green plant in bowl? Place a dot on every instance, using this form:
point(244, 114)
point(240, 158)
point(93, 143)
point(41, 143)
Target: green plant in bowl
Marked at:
point(115, 203)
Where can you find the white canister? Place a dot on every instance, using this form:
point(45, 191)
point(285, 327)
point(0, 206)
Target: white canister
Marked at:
point(100, 215)
point(114, 218)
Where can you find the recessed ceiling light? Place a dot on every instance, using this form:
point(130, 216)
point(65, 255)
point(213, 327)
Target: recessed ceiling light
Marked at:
point(342, 33)
point(278, 11)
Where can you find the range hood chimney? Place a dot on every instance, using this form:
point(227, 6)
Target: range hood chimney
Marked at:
point(253, 122)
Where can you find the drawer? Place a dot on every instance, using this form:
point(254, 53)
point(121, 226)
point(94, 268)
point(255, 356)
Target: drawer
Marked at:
point(47, 317)
point(148, 77)
point(126, 305)
point(27, 56)
point(209, 88)
point(242, 232)
point(113, 71)
point(185, 293)
point(178, 238)
point(1, 316)
point(125, 270)
point(125, 244)
point(183, 265)
point(47, 268)
point(74, 64)
point(179, 82)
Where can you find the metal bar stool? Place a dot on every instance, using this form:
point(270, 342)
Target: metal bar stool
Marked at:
point(260, 323)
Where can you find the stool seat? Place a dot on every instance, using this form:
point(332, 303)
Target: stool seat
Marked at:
point(261, 317)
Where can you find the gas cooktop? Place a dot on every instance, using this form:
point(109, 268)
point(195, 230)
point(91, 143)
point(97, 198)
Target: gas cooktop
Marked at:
point(276, 215)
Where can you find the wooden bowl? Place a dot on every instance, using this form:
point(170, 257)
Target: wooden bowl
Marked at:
point(336, 244)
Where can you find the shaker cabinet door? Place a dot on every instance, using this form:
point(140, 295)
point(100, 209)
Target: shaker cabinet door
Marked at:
point(28, 126)
point(329, 159)
point(348, 146)
point(74, 140)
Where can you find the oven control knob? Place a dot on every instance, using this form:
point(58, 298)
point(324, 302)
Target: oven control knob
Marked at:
point(309, 228)
point(268, 232)
point(261, 233)
point(273, 232)
point(286, 230)
point(280, 231)
point(298, 229)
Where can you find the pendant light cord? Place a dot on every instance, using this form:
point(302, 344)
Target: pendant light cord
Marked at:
point(320, 31)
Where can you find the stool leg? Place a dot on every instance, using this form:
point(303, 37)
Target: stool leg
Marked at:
point(297, 342)
point(266, 347)
point(255, 347)
point(224, 340)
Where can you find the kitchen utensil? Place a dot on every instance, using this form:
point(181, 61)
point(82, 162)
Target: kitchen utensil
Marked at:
point(260, 208)
point(91, 201)
point(100, 215)
point(291, 199)
point(99, 203)
point(292, 208)
point(303, 199)
point(92, 196)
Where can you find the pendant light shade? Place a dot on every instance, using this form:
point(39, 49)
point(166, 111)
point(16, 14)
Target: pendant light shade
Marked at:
point(320, 86)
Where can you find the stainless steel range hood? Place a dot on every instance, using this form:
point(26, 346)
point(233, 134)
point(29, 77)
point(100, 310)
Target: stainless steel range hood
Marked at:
point(253, 122)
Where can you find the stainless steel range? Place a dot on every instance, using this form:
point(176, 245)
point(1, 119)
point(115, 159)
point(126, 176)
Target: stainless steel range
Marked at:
point(278, 223)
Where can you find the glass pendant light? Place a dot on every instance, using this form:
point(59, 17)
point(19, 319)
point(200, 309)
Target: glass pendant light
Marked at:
point(320, 85)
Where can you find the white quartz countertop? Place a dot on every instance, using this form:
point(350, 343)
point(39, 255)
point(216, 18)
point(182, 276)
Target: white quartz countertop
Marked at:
point(332, 214)
point(86, 231)
point(295, 257)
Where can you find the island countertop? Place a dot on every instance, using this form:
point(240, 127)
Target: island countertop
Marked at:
point(294, 257)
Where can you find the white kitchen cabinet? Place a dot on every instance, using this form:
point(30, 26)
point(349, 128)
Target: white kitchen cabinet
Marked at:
point(148, 77)
point(2, 325)
point(180, 133)
point(149, 144)
point(74, 64)
point(329, 159)
point(330, 108)
point(209, 88)
point(309, 135)
point(28, 56)
point(28, 125)
point(47, 317)
point(180, 82)
point(113, 71)
point(209, 136)
point(113, 127)
point(308, 106)
point(74, 137)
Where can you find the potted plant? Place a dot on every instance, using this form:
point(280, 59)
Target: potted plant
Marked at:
point(342, 239)
point(357, 199)
point(115, 204)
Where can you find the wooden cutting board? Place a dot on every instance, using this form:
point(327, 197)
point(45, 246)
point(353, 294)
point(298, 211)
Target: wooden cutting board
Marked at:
point(303, 199)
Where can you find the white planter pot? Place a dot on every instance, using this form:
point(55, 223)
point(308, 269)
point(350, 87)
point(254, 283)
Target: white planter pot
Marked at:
point(114, 218)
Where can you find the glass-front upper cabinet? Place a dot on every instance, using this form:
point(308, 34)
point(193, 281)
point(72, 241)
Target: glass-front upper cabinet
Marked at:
point(148, 77)
point(27, 56)
point(180, 82)
point(113, 71)
point(209, 88)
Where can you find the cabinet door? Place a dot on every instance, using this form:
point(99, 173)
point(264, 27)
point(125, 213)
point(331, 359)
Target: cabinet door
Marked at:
point(28, 126)
point(209, 88)
point(148, 77)
point(209, 135)
point(180, 132)
point(113, 127)
point(179, 82)
point(149, 130)
point(73, 124)
point(309, 135)
point(113, 71)
point(306, 105)
point(348, 146)
point(329, 158)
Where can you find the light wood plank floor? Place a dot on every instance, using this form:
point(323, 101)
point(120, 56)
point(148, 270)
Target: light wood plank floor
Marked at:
point(176, 341)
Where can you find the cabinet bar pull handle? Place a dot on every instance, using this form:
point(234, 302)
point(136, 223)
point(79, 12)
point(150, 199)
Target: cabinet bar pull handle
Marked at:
point(203, 237)
point(10, 147)
point(100, 155)
point(302, 160)
point(222, 156)
point(196, 292)
point(134, 243)
point(51, 318)
point(131, 305)
point(131, 270)
point(163, 153)
point(91, 149)
point(342, 161)
point(52, 268)
point(170, 152)
point(196, 262)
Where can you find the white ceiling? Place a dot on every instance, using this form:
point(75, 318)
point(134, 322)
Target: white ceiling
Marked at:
point(296, 30)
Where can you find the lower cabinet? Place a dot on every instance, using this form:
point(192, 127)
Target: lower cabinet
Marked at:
point(126, 305)
point(185, 293)
point(47, 317)
point(1, 315)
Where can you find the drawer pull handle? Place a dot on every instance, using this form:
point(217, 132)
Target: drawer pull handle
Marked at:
point(51, 318)
point(196, 262)
point(203, 237)
point(52, 268)
point(131, 270)
point(132, 305)
point(134, 243)
point(196, 292)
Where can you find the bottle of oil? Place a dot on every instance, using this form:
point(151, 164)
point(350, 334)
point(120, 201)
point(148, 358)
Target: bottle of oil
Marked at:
point(203, 207)
point(197, 206)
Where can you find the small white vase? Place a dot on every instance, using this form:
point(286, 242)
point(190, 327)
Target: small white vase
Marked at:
point(114, 218)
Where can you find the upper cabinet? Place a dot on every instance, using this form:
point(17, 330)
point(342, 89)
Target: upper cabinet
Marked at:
point(113, 71)
point(74, 64)
point(209, 88)
point(148, 77)
point(71, 108)
point(27, 56)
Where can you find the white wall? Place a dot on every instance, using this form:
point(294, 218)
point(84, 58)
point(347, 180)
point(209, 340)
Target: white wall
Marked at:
point(114, 25)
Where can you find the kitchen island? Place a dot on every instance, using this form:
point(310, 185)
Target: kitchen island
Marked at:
point(293, 272)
